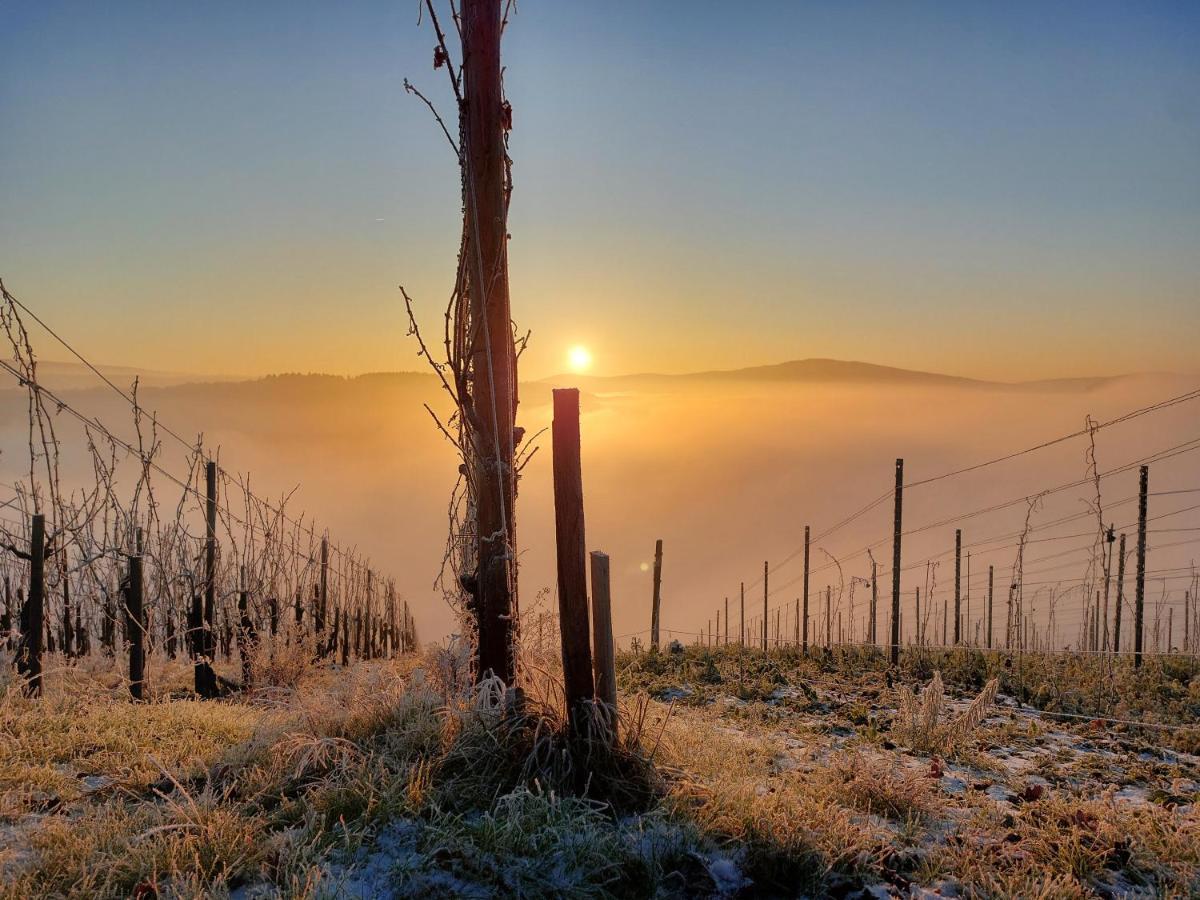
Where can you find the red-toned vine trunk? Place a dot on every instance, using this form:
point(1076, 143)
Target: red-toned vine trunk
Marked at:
point(493, 362)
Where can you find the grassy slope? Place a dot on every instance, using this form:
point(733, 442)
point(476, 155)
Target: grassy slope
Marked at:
point(779, 775)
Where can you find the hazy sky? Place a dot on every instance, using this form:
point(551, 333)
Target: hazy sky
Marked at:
point(1005, 190)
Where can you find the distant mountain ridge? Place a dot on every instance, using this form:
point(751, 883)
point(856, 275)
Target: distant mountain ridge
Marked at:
point(833, 371)
point(58, 375)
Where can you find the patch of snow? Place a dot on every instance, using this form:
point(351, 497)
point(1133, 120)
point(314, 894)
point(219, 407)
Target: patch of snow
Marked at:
point(368, 876)
point(999, 793)
point(674, 693)
point(1132, 794)
point(939, 889)
point(878, 892)
point(952, 785)
point(95, 782)
point(726, 875)
point(784, 762)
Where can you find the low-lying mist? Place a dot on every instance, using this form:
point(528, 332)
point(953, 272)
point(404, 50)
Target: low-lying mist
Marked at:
point(727, 471)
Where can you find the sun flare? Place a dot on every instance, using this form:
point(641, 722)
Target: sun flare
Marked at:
point(579, 358)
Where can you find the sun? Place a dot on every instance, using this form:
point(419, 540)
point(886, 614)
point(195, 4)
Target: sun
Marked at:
point(579, 358)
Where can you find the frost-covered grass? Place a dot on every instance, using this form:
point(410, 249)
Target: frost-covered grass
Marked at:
point(774, 775)
point(304, 791)
point(811, 768)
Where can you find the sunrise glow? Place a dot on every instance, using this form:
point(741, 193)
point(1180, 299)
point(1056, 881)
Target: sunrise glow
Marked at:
point(579, 358)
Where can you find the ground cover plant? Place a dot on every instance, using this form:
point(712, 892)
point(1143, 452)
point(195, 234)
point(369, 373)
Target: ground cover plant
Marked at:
point(739, 774)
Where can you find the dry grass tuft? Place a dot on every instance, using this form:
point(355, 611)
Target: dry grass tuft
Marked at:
point(880, 785)
point(920, 720)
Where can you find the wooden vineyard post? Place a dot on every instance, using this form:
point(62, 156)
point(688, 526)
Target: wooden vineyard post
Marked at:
point(765, 616)
point(656, 601)
point(896, 562)
point(246, 635)
point(873, 639)
point(29, 660)
point(804, 630)
point(957, 586)
point(323, 588)
point(726, 621)
point(828, 618)
point(572, 555)
point(918, 596)
point(1120, 594)
point(1140, 585)
point(68, 630)
point(364, 641)
point(991, 576)
point(967, 622)
point(6, 618)
point(135, 610)
point(1187, 618)
point(205, 677)
point(345, 635)
point(742, 621)
point(604, 659)
point(1110, 538)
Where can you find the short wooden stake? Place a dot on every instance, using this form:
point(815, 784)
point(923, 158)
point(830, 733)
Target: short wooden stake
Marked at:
point(574, 629)
point(604, 659)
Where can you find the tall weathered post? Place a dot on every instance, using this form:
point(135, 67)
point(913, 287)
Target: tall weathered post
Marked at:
point(578, 683)
point(1120, 595)
point(205, 677)
point(1187, 618)
point(828, 617)
point(656, 599)
point(896, 562)
point(875, 603)
point(765, 594)
point(323, 589)
point(957, 586)
point(29, 661)
point(991, 573)
point(135, 610)
point(246, 635)
point(1140, 585)
point(6, 617)
point(68, 628)
point(493, 356)
point(742, 639)
point(804, 630)
point(1110, 538)
point(345, 634)
point(967, 602)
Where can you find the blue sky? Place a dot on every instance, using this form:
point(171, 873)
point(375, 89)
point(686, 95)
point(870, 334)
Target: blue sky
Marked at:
point(1004, 190)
